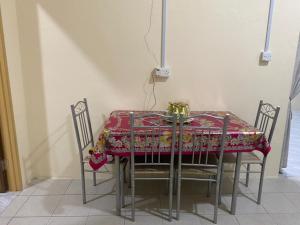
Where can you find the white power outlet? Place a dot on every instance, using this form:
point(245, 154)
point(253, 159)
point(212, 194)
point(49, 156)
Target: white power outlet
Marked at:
point(162, 72)
point(266, 56)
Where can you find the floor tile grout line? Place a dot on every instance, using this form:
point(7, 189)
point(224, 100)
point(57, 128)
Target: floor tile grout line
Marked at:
point(275, 223)
point(103, 194)
point(49, 221)
point(264, 208)
point(21, 206)
point(272, 219)
point(7, 206)
point(270, 213)
point(10, 220)
point(48, 216)
point(236, 219)
point(11, 203)
point(49, 180)
point(60, 200)
point(289, 200)
point(86, 219)
point(69, 185)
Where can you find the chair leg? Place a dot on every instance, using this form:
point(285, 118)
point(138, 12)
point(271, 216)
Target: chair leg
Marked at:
point(208, 194)
point(236, 182)
point(129, 174)
point(217, 199)
point(170, 197)
point(248, 175)
point(118, 185)
point(132, 195)
point(221, 184)
point(262, 173)
point(178, 197)
point(125, 174)
point(83, 184)
point(94, 178)
point(122, 188)
point(175, 183)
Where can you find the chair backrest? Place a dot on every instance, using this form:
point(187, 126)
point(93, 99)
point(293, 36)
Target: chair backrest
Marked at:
point(82, 125)
point(151, 136)
point(202, 139)
point(266, 118)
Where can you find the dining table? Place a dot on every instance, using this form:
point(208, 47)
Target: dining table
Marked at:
point(241, 137)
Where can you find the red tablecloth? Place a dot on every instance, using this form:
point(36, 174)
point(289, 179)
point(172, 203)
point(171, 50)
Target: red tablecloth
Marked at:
point(241, 135)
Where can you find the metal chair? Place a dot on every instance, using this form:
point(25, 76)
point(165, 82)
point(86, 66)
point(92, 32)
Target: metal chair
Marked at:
point(146, 139)
point(85, 140)
point(265, 121)
point(206, 141)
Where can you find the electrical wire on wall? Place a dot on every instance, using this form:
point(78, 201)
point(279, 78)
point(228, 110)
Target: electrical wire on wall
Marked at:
point(150, 51)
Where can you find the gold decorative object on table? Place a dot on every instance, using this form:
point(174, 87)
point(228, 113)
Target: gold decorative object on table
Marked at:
point(179, 108)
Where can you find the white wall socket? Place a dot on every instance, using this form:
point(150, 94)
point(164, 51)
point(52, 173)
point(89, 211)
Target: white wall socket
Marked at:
point(266, 56)
point(162, 72)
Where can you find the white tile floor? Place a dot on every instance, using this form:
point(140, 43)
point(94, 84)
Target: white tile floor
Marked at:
point(59, 202)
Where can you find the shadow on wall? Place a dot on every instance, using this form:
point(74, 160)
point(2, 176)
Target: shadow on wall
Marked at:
point(41, 153)
point(102, 33)
point(34, 97)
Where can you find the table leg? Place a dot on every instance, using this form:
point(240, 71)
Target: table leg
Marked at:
point(236, 182)
point(118, 188)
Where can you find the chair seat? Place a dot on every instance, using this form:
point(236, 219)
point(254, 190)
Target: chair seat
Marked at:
point(247, 157)
point(197, 172)
point(152, 171)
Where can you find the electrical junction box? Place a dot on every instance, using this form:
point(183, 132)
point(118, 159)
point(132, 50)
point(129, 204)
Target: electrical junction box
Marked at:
point(162, 72)
point(266, 56)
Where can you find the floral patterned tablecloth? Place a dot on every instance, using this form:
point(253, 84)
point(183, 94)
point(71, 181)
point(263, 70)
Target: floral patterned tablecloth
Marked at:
point(241, 135)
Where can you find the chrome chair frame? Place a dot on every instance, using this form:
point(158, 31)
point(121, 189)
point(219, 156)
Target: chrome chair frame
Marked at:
point(85, 141)
point(265, 113)
point(197, 146)
point(152, 157)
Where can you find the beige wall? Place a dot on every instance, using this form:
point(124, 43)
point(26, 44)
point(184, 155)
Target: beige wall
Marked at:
point(95, 49)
